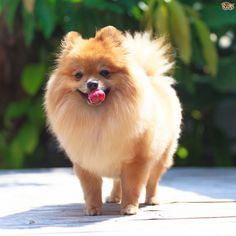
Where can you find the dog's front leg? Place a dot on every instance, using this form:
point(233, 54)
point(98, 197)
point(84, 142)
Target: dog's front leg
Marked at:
point(133, 177)
point(92, 188)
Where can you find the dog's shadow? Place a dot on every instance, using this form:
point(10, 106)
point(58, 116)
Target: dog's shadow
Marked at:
point(67, 215)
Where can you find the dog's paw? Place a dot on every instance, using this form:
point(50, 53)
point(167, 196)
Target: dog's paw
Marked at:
point(93, 211)
point(129, 210)
point(113, 199)
point(152, 201)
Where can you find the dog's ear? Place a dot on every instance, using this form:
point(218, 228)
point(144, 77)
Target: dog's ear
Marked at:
point(67, 44)
point(70, 40)
point(110, 33)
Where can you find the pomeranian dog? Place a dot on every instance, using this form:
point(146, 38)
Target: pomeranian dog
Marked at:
point(111, 105)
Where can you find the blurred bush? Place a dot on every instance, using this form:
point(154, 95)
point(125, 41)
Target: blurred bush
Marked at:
point(202, 33)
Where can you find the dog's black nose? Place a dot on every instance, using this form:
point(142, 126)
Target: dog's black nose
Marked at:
point(92, 84)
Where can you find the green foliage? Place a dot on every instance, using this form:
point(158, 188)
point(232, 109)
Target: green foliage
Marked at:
point(23, 144)
point(204, 80)
point(173, 18)
point(46, 13)
point(27, 136)
point(11, 10)
point(161, 23)
point(180, 30)
point(84, 15)
point(208, 48)
point(28, 26)
point(32, 78)
point(15, 110)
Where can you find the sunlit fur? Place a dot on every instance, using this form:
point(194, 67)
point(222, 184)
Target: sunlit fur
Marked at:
point(133, 135)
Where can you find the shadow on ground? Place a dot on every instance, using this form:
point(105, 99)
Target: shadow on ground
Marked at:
point(57, 216)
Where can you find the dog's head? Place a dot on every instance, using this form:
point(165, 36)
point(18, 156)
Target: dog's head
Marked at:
point(95, 69)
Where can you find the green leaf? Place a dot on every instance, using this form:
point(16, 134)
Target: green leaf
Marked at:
point(45, 11)
point(180, 30)
point(162, 23)
point(3, 4)
point(149, 14)
point(11, 7)
point(136, 13)
point(208, 48)
point(197, 56)
point(36, 114)
point(3, 144)
point(32, 78)
point(29, 5)
point(23, 144)
point(15, 158)
point(15, 110)
point(75, 1)
point(28, 138)
point(28, 27)
point(103, 5)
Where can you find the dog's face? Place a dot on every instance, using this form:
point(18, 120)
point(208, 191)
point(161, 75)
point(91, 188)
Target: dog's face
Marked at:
point(92, 71)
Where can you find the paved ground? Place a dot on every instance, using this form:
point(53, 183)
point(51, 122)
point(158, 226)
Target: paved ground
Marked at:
point(194, 201)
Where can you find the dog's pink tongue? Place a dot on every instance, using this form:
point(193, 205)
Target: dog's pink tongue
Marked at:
point(96, 96)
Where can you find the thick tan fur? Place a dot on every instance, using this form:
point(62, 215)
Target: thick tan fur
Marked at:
point(133, 134)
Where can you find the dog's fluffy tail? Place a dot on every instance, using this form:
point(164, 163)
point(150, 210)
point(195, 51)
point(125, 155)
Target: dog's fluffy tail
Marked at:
point(153, 55)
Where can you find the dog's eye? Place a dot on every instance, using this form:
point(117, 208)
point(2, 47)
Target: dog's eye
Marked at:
point(104, 73)
point(78, 75)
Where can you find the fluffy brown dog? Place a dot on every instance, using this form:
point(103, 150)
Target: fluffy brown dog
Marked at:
point(113, 110)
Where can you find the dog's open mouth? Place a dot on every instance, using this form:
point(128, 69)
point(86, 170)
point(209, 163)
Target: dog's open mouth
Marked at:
point(95, 97)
